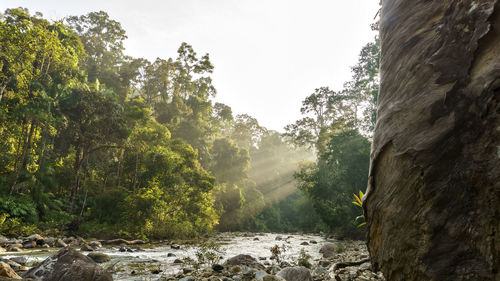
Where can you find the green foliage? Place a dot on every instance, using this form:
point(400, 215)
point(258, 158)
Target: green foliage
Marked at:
point(208, 254)
point(98, 143)
point(278, 253)
point(21, 208)
point(358, 201)
point(330, 182)
point(340, 249)
point(304, 259)
point(80, 148)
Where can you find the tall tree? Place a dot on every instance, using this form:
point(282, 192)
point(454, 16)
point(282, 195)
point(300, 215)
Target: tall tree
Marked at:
point(325, 112)
point(433, 199)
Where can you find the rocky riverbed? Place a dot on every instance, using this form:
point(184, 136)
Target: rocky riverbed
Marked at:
point(227, 256)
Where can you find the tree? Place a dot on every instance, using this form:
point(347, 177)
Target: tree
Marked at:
point(433, 200)
point(331, 183)
point(364, 86)
point(94, 122)
point(325, 112)
point(103, 40)
point(246, 131)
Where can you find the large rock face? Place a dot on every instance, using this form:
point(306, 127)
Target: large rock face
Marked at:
point(433, 201)
point(68, 265)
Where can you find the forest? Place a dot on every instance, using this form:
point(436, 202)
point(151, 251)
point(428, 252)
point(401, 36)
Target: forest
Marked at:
point(97, 143)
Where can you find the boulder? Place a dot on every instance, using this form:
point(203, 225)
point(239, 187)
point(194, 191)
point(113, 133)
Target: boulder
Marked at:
point(259, 275)
point(95, 244)
point(15, 248)
point(2, 250)
point(217, 267)
point(432, 204)
point(50, 241)
point(296, 273)
point(29, 244)
point(3, 240)
point(328, 250)
point(7, 271)
point(14, 265)
point(86, 248)
point(20, 260)
point(68, 265)
point(99, 257)
point(39, 240)
point(60, 243)
point(71, 241)
point(245, 260)
point(270, 277)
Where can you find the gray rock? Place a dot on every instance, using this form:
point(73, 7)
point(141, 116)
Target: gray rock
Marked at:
point(187, 278)
point(259, 275)
point(324, 263)
point(245, 260)
point(99, 257)
point(15, 248)
point(217, 267)
point(14, 265)
point(50, 241)
point(86, 248)
point(60, 243)
point(3, 240)
point(297, 273)
point(95, 244)
point(68, 265)
point(20, 260)
point(71, 241)
point(320, 271)
point(328, 250)
point(270, 277)
point(39, 240)
point(29, 244)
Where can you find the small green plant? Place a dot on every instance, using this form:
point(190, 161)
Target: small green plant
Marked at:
point(358, 201)
point(3, 217)
point(190, 262)
point(278, 253)
point(304, 259)
point(340, 249)
point(208, 253)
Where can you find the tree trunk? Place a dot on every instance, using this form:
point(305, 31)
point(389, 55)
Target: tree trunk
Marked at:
point(76, 177)
point(24, 156)
point(433, 200)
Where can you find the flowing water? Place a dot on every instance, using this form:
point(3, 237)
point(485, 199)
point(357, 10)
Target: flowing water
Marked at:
point(144, 260)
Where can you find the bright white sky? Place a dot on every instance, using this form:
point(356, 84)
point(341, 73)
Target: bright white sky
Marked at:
point(268, 54)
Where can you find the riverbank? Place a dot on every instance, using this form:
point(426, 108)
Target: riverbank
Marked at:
point(212, 258)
